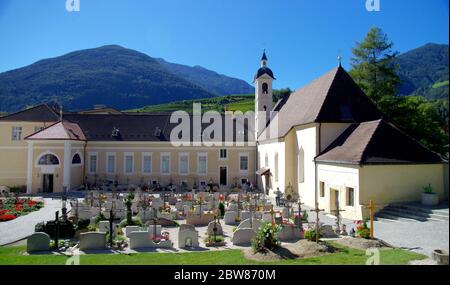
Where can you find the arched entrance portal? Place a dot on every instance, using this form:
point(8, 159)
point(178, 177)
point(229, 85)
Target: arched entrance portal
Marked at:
point(47, 163)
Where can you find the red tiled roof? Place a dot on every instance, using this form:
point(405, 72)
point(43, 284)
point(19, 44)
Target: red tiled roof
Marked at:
point(62, 130)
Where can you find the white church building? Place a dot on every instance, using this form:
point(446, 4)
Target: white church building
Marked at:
point(328, 143)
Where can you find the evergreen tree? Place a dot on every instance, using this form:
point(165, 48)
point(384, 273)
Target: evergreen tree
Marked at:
point(375, 71)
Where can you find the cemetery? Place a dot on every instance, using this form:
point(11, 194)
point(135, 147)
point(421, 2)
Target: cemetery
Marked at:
point(235, 226)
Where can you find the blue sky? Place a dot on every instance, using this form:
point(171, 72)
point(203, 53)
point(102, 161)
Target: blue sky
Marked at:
point(302, 38)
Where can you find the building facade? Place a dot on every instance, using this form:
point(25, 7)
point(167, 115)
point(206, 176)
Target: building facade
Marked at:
point(325, 143)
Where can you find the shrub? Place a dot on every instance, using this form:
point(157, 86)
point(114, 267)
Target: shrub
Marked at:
point(210, 239)
point(310, 234)
point(100, 217)
point(266, 238)
point(428, 189)
point(135, 221)
point(362, 230)
point(83, 224)
point(222, 209)
point(92, 228)
point(39, 227)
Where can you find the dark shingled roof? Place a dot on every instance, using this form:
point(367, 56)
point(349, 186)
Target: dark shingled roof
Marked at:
point(333, 97)
point(39, 113)
point(376, 142)
point(132, 127)
point(264, 70)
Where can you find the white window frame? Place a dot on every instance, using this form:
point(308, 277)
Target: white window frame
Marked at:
point(16, 133)
point(244, 154)
point(125, 154)
point(163, 154)
point(91, 154)
point(108, 154)
point(202, 154)
point(144, 155)
point(180, 155)
point(220, 154)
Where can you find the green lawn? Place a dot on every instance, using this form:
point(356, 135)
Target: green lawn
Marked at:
point(14, 256)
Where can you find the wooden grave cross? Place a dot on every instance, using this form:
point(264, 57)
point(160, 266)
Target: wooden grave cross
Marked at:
point(317, 210)
point(300, 222)
point(337, 212)
point(371, 208)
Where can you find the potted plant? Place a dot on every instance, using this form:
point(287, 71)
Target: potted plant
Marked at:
point(429, 198)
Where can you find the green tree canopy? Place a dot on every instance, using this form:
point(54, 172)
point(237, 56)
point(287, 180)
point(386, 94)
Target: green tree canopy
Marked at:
point(374, 70)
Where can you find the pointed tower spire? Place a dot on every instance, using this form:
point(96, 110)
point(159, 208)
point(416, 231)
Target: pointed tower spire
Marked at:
point(264, 59)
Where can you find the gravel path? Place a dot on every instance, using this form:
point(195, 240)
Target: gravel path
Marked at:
point(22, 227)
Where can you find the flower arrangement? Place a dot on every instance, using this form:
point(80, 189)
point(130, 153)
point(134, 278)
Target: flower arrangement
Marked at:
point(266, 238)
point(362, 230)
point(12, 208)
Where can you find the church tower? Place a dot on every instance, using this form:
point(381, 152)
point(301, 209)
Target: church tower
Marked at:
point(263, 95)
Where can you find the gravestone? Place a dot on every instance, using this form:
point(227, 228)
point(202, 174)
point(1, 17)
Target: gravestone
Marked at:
point(188, 238)
point(130, 229)
point(243, 236)
point(210, 230)
point(151, 231)
point(103, 226)
point(327, 231)
point(245, 224)
point(266, 217)
point(92, 241)
point(285, 213)
point(179, 206)
point(187, 227)
point(290, 233)
point(233, 207)
point(244, 215)
point(186, 209)
point(230, 217)
point(139, 239)
point(38, 242)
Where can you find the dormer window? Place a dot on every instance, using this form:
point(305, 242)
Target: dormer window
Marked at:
point(115, 133)
point(157, 132)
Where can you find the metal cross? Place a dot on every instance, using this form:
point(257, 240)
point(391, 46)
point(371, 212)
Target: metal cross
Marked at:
point(111, 219)
point(317, 210)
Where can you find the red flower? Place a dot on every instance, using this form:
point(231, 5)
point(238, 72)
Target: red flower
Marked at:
point(2, 212)
point(31, 203)
point(7, 217)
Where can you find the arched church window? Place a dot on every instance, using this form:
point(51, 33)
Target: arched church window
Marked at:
point(265, 88)
point(276, 167)
point(265, 108)
point(48, 159)
point(301, 165)
point(76, 159)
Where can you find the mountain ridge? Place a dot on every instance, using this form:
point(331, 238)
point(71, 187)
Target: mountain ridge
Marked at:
point(111, 75)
